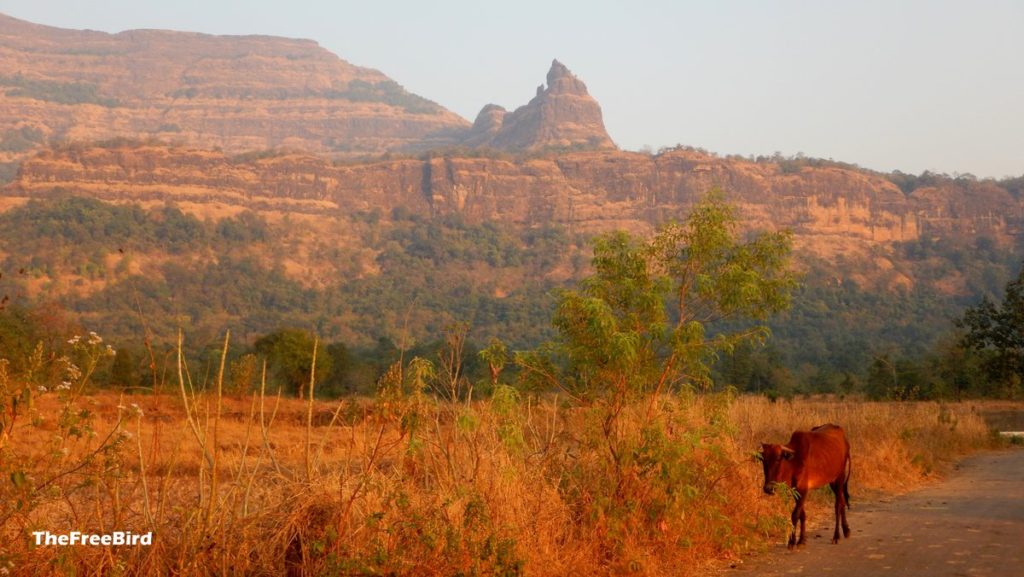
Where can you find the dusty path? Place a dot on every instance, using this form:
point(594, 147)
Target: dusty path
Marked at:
point(970, 524)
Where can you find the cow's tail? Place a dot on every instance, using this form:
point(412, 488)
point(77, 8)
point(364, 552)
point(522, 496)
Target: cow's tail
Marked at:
point(846, 480)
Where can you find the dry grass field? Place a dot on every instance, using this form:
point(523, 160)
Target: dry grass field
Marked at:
point(406, 484)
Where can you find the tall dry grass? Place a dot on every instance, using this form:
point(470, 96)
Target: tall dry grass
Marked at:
point(406, 484)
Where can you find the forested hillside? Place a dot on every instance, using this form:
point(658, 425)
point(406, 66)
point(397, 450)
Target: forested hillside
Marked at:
point(374, 283)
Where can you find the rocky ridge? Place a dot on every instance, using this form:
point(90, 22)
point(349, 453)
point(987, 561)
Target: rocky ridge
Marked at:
point(832, 211)
point(249, 93)
point(236, 93)
point(562, 115)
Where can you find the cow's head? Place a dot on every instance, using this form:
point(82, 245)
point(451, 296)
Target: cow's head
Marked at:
point(777, 460)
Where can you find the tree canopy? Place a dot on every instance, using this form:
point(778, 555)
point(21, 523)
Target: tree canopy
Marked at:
point(996, 331)
point(643, 320)
point(289, 352)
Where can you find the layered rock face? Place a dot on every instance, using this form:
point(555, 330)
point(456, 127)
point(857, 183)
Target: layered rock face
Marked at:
point(247, 93)
point(563, 115)
point(832, 211)
point(237, 93)
point(486, 127)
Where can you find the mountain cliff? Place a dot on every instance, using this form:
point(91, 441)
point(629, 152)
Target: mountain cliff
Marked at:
point(249, 93)
point(237, 93)
point(834, 212)
point(562, 115)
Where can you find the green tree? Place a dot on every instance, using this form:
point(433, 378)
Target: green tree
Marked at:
point(898, 380)
point(340, 380)
point(959, 369)
point(242, 374)
point(290, 353)
point(18, 336)
point(124, 369)
point(651, 318)
point(641, 322)
point(495, 354)
point(997, 333)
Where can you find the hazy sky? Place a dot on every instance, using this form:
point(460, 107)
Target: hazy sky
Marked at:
point(887, 85)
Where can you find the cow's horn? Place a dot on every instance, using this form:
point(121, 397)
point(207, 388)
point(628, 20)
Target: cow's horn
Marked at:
point(788, 450)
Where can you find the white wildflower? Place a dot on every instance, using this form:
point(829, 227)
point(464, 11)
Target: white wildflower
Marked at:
point(74, 340)
point(71, 370)
point(41, 389)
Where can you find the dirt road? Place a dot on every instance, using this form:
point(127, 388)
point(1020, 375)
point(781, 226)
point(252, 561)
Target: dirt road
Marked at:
point(970, 524)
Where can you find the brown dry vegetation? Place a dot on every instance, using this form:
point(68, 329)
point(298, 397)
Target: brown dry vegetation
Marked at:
point(405, 484)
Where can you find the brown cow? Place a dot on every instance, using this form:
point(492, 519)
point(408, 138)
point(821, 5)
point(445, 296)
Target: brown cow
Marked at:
point(810, 460)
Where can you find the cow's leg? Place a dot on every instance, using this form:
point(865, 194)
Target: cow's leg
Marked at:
point(798, 516)
point(837, 488)
point(803, 492)
point(803, 527)
point(794, 518)
point(842, 512)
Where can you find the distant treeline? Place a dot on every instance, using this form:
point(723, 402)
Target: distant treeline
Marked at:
point(135, 274)
point(342, 369)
